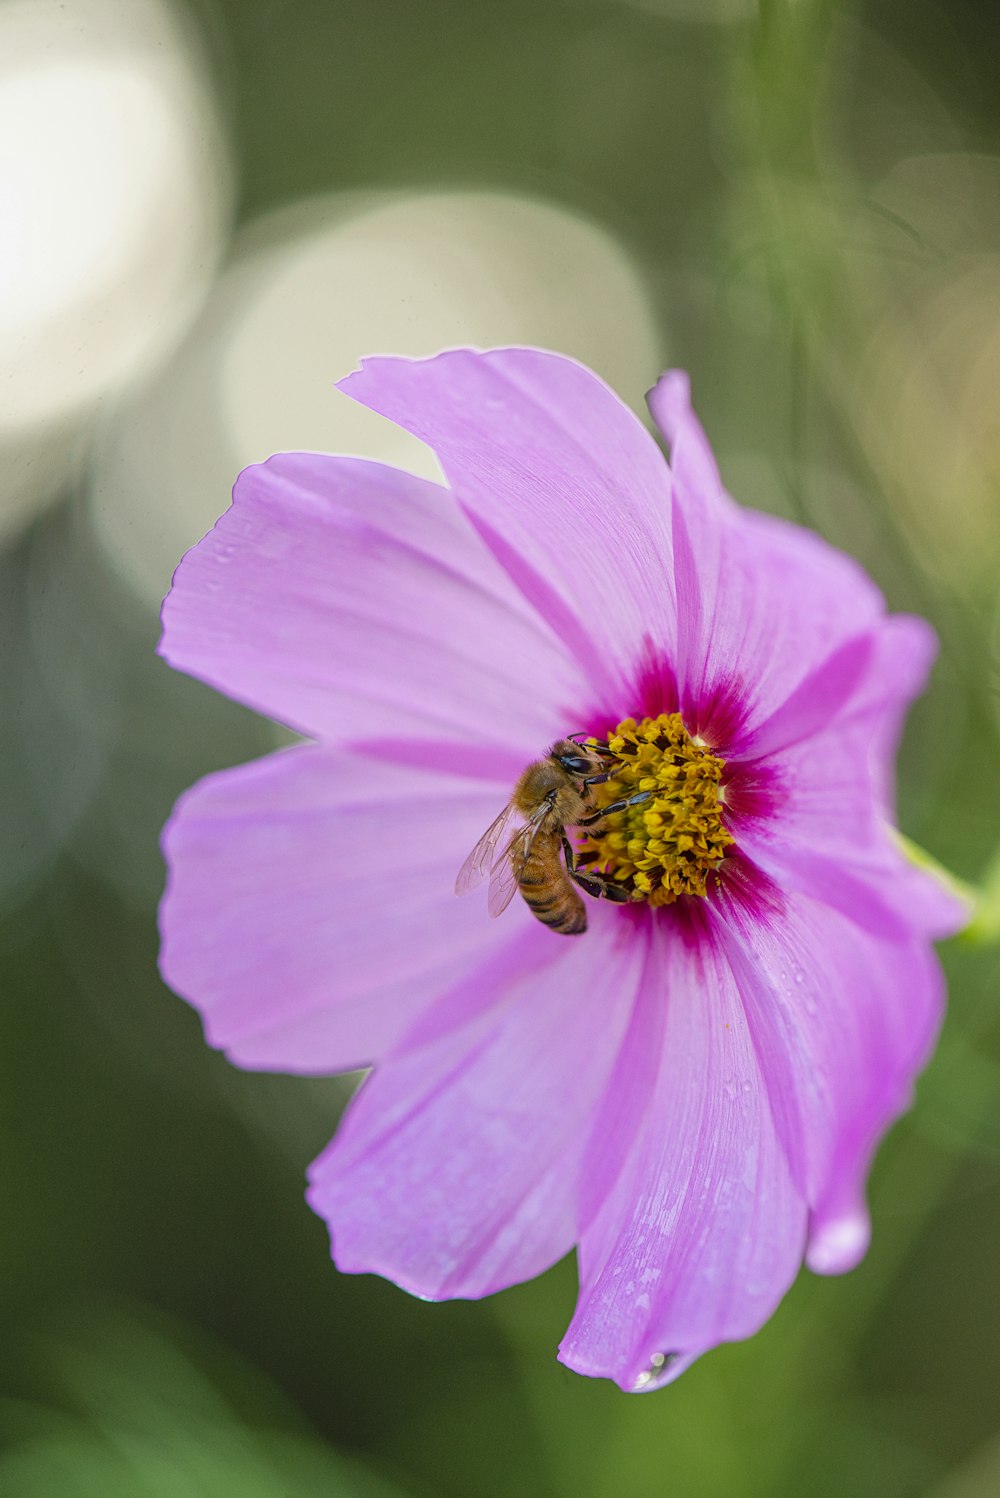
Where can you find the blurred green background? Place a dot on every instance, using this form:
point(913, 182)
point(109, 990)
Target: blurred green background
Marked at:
point(212, 210)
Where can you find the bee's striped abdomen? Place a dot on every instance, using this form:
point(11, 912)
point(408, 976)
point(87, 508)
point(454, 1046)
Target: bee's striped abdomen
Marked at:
point(547, 889)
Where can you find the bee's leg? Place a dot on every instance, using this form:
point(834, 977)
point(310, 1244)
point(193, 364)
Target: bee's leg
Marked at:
point(582, 859)
point(598, 885)
point(607, 811)
point(599, 779)
point(602, 887)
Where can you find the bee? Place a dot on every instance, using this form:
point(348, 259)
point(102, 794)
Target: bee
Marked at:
point(551, 795)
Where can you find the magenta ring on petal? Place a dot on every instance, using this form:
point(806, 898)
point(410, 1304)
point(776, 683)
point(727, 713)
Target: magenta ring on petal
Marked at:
point(660, 729)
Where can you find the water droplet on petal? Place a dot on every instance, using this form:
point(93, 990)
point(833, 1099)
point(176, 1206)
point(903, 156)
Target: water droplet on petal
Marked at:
point(838, 1244)
point(652, 1377)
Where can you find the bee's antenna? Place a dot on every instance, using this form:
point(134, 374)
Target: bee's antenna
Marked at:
point(600, 746)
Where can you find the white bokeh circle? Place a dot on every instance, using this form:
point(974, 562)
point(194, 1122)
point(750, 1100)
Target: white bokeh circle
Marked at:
point(316, 288)
point(114, 196)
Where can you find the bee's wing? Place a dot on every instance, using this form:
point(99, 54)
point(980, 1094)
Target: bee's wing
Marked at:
point(507, 869)
point(480, 860)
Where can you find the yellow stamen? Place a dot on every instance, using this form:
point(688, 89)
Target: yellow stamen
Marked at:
point(669, 844)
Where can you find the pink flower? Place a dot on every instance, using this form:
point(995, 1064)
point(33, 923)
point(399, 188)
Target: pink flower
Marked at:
point(690, 1092)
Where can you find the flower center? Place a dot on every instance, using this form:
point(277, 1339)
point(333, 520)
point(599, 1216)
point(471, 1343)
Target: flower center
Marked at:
point(667, 842)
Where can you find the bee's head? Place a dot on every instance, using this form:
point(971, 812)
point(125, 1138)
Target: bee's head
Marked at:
point(572, 758)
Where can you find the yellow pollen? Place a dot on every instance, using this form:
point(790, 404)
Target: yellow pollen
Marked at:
point(670, 843)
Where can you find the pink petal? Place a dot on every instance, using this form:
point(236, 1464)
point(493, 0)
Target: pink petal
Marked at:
point(691, 458)
point(906, 648)
point(817, 699)
point(353, 601)
point(458, 1168)
point(761, 603)
point(310, 911)
point(562, 481)
point(842, 1023)
point(824, 828)
point(703, 1231)
point(885, 894)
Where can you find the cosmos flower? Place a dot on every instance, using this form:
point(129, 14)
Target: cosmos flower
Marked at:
point(690, 1091)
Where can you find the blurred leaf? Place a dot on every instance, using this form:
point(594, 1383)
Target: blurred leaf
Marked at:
point(979, 1477)
point(146, 1420)
point(960, 1103)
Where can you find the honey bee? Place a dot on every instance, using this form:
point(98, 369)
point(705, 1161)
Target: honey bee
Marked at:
point(551, 795)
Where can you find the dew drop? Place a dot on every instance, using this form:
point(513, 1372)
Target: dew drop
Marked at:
point(652, 1377)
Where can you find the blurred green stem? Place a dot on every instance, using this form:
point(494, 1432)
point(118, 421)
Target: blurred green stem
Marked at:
point(984, 928)
point(982, 900)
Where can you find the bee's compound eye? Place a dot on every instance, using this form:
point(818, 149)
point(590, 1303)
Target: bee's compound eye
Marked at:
point(574, 764)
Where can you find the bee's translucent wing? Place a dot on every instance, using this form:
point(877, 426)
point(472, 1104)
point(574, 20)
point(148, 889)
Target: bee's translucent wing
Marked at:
point(507, 869)
point(480, 860)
